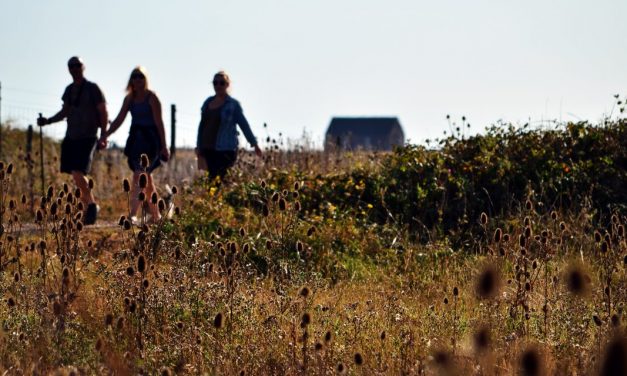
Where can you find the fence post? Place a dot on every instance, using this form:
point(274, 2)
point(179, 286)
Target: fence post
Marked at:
point(29, 164)
point(173, 130)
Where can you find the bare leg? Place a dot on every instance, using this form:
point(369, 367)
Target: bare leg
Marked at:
point(154, 210)
point(81, 182)
point(134, 193)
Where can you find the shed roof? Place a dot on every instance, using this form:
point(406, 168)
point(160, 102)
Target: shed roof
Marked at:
point(372, 126)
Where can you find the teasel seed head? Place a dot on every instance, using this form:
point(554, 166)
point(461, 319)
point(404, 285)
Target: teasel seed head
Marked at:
point(218, 321)
point(141, 264)
point(304, 292)
point(531, 362)
point(282, 204)
point(56, 308)
point(275, 197)
point(154, 198)
point(305, 320)
point(528, 232)
point(604, 247)
point(528, 205)
point(98, 345)
point(126, 185)
point(120, 323)
point(484, 219)
point(482, 339)
point(143, 180)
point(487, 283)
point(328, 337)
point(141, 196)
point(359, 359)
point(597, 320)
point(340, 368)
point(144, 161)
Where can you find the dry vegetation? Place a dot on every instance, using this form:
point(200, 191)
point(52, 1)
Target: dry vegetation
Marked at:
point(297, 267)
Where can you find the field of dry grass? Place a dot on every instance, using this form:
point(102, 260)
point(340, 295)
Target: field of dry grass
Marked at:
point(253, 276)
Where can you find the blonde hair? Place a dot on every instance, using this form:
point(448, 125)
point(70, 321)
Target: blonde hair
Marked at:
point(137, 69)
point(224, 75)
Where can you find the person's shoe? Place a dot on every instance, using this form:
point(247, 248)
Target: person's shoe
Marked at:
point(91, 214)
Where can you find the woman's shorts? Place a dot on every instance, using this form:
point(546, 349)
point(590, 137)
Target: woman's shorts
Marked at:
point(219, 161)
point(143, 140)
point(76, 155)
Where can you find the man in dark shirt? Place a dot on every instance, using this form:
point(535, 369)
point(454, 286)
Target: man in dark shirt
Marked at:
point(85, 108)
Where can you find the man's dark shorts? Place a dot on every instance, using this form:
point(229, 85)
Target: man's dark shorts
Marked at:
point(76, 155)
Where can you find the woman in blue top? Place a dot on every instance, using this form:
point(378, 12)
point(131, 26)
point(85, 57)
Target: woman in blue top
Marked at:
point(217, 134)
point(147, 136)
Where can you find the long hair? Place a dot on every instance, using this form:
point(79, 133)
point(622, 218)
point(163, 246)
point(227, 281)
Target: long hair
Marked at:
point(137, 69)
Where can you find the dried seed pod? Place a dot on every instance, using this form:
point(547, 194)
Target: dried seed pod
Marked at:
point(126, 185)
point(218, 321)
point(144, 161)
point(484, 219)
point(141, 264)
point(143, 180)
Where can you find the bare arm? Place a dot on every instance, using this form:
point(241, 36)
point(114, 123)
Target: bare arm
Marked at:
point(104, 117)
point(121, 116)
point(62, 114)
point(155, 105)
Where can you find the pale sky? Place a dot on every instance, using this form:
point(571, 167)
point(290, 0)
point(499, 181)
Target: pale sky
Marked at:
point(295, 64)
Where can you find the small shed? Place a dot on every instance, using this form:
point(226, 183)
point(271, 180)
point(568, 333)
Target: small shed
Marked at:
point(365, 133)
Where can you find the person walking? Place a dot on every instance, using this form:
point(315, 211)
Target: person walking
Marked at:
point(85, 108)
point(217, 141)
point(147, 136)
